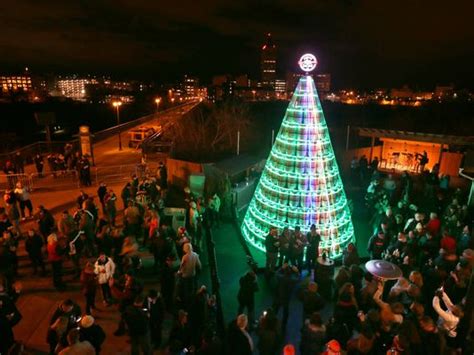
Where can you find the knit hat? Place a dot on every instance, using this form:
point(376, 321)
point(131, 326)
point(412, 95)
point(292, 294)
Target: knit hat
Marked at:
point(289, 349)
point(333, 347)
point(87, 321)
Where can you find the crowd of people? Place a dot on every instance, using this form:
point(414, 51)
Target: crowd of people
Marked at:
point(417, 223)
point(102, 247)
point(66, 162)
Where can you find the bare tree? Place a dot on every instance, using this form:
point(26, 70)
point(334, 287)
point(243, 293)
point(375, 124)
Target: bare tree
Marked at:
point(205, 133)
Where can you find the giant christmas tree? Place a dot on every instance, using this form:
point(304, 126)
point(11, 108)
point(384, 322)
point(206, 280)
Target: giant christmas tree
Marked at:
point(300, 184)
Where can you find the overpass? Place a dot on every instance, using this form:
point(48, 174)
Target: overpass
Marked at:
point(111, 164)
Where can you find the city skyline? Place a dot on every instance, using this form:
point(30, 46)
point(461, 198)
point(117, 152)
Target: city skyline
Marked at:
point(360, 44)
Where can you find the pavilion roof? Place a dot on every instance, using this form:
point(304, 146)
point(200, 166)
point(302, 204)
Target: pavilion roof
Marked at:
point(416, 136)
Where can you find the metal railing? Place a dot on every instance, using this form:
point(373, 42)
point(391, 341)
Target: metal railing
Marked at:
point(29, 151)
point(109, 132)
point(69, 179)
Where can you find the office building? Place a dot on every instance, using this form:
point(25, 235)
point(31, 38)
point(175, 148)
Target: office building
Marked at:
point(268, 62)
point(190, 87)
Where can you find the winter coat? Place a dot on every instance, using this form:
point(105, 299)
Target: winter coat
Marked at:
point(312, 340)
point(94, 335)
point(105, 271)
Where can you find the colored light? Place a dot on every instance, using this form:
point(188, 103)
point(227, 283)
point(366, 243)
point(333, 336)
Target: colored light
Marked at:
point(300, 184)
point(308, 62)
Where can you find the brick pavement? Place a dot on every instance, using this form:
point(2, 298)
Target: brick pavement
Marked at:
point(39, 299)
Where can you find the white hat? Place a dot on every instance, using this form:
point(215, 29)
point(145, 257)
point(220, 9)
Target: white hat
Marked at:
point(87, 321)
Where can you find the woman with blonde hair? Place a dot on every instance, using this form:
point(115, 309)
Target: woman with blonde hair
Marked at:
point(55, 258)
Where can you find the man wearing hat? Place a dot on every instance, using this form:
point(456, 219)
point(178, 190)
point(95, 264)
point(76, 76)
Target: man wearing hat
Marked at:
point(92, 332)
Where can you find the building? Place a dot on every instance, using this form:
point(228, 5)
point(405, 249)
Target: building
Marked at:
point(218, 80)
point(323, 83)
point(268, 62)
point(444, 92)
point(74, 87)
point(16, 83)
point(292, 80)
point(280, 86)
point(280, 89)
point(404, 93)
point(242, 81)
point(190, 87)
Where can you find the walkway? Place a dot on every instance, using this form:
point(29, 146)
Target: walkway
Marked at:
point(39, 300)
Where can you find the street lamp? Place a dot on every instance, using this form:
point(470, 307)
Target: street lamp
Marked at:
point(253, 93)
point(157, 102)
point(172, 100)
point(117, 105)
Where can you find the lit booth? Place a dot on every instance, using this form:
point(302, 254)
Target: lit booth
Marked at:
point(403, 151)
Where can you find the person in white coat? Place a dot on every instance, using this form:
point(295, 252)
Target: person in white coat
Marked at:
point(105, 268)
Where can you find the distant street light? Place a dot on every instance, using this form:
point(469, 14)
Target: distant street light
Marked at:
point(172, 100)
point(117, 105)
point(157, 102)
point(253, 93)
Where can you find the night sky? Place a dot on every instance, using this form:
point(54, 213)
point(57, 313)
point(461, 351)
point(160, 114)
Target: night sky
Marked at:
point(362, 43)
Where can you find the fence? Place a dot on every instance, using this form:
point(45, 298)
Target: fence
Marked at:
point(69, 179)
point(43, 148)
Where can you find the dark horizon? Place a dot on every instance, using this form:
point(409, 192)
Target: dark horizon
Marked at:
point(362, 44)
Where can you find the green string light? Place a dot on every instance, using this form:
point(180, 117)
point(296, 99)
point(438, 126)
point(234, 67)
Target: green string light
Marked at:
point(300, 184)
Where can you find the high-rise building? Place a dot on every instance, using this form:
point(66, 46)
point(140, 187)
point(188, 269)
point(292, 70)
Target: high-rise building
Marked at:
point(190, 86)
point(323, 83)
point(268, 62)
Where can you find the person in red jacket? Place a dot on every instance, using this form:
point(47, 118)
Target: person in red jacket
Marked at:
point(433, 225)
point(448, 242)
point(55, 258)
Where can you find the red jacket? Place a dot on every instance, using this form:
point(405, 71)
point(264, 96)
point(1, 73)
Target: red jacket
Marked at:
point(433, 226)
